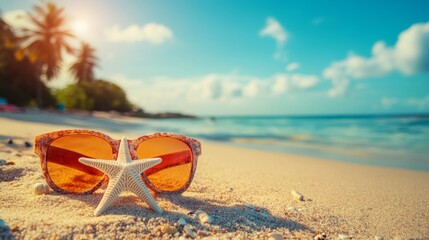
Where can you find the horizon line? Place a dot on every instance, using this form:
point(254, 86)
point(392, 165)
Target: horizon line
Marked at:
point(333, 115)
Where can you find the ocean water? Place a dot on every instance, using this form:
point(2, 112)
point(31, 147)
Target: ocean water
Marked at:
point(400, 141)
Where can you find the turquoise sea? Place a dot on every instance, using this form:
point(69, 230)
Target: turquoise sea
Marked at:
point(400, 141)
point(388, 140)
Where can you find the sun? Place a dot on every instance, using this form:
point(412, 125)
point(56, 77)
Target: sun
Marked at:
point(80, 26)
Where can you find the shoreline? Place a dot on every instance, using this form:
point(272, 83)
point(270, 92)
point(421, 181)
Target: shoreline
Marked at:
point(248, 193)
point(339, 155)
point(115, 123)
point(120, 120)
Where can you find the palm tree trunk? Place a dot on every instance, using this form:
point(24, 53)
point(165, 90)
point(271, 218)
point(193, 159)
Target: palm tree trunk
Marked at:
point(39, 85)
point(39, 100)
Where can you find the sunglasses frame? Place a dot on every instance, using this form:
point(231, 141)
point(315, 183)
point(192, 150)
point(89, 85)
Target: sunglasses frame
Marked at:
point(42, 143)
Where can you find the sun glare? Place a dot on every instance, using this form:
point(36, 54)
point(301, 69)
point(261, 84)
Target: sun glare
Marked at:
point(80, 26)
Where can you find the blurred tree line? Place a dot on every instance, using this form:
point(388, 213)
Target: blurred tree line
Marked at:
point(97, 95)
point(29, 58)
point(18, 78)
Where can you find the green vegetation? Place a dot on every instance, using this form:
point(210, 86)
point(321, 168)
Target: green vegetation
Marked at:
point(73, 97)
point(98, 95)
point(35, 56)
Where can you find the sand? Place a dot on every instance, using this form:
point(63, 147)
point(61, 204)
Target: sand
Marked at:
point(246, 192)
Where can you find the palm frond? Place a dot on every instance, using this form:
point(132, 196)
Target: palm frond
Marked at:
point(83, 68)
point(49, 38)
point(36, 21)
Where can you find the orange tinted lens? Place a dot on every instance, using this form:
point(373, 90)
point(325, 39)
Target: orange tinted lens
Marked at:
point(174, 172)
point(63, 164)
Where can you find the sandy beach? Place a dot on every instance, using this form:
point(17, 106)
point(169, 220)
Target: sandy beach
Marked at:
point(246, 192)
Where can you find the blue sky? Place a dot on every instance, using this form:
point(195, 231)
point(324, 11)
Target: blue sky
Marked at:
point(258, 57)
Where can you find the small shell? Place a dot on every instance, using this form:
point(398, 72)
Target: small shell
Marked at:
point(182, 221)
point(207, 219)
point(275, 236)
point(320, 236)
point(3, 162)
point(292, 209)
point(188, 230)
point(203, 217)
point(297, 196)
point(168, 229)
point(41, 188)
point(343, 237)
point(198, 213)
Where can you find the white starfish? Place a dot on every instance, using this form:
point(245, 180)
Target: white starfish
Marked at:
point(124, 174)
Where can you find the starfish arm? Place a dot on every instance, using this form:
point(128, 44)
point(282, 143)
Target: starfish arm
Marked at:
point(137, 186)
point(142, 164)
point(124, 152)
point(115, 187)
point(109, 167)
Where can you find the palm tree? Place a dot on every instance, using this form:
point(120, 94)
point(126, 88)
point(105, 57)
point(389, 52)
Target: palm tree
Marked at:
point(83, 68)
point(7, 41)
point(6, 34)
point(47, 40)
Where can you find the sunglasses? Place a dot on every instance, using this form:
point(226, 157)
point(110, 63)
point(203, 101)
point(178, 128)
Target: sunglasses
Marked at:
point(60, 151)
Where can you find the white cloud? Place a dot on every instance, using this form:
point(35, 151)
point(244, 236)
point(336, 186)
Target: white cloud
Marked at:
point(275, 30)
point(304, 81)
point(151, 92)
point(412, 49)
point(292, 66)
point(339, 87)
point(18, 19)
point(252, 89)
point(354, 66)
point(419, 103)
point(281, 84)
point(211, 87)
point(285, 82)
point(388, 102)
point(226, 88)
point(152, 32)
point(409, 55)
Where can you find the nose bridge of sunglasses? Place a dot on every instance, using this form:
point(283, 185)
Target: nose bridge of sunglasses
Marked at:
point(115, 148)
point(132, 147)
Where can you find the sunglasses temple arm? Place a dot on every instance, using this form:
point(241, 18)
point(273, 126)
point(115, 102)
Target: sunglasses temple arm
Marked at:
point(60, 156)
point(170, 160)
